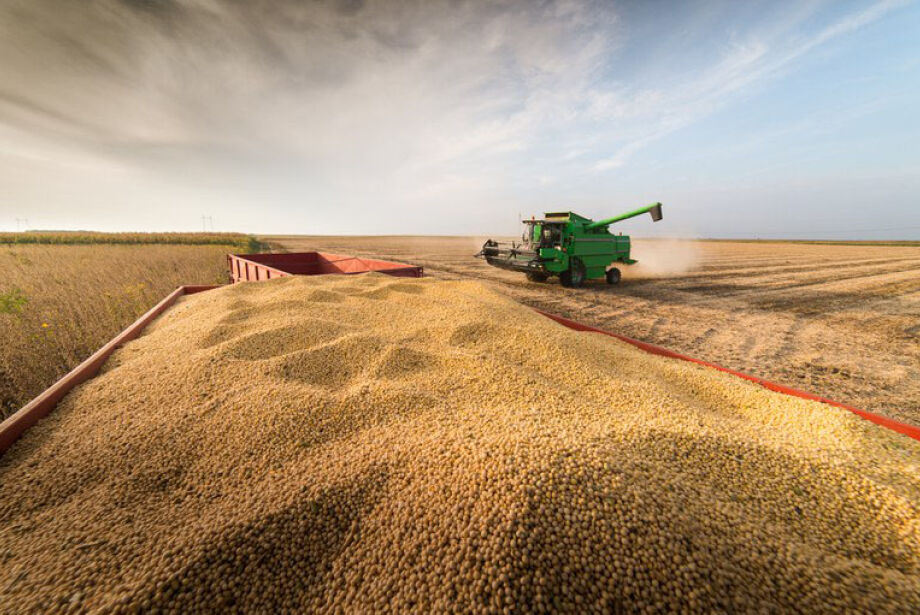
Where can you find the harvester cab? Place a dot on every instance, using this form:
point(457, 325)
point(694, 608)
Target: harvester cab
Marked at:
point(568, 245)
point(543, 233)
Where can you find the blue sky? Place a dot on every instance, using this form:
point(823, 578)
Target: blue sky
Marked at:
point(747, 119)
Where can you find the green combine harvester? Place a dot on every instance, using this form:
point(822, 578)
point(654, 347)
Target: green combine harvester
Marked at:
point(568, 245)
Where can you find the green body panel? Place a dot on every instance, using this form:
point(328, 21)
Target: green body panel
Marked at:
point(565, 241)
point(595, 251)
point(654, 209)
point(537, 230)
point(589, 241)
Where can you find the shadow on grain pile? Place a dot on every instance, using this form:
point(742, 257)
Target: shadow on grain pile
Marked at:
point(368, 443)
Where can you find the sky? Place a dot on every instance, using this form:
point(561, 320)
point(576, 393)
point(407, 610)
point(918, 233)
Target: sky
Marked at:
point(746, 119)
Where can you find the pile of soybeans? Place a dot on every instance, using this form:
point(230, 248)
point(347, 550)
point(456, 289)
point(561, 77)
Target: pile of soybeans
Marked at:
point(367, 443)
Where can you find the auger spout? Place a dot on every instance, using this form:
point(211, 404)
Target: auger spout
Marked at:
point(654, 209)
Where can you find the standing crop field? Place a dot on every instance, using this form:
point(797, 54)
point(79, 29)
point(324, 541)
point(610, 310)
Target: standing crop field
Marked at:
point(59, 303)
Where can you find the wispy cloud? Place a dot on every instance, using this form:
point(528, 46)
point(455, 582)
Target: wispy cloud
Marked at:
point(383, 100)
point(350, 110)
point(743, 66)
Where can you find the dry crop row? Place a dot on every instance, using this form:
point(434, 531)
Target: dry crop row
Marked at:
point(59, 303)
point(239, 241)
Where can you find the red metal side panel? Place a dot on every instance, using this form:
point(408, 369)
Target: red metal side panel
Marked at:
point(257, 267)
point(902, 428)
point(35, 410)
point(278, 260)
point(244, 269)
point(391, 268)
point(193, 289)
point(332, 258)
point(351, 265)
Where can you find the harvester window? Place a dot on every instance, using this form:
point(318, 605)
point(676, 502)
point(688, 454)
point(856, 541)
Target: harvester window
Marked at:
point(552, 235)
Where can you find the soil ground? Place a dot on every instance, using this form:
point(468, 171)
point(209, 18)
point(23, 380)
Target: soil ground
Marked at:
point(842, 321)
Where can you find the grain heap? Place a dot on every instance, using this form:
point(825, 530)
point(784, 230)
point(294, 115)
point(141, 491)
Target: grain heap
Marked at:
point(377, 444)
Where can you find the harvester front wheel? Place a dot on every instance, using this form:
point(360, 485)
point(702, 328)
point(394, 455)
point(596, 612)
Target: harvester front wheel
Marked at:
point(574, 275)
point(613, 276)
point(535, 276)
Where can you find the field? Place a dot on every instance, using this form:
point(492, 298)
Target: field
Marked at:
point(59, 303)
point(839, 320)
point(239, 241)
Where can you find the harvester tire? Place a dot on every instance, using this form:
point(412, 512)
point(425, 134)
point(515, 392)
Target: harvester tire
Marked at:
point(535, 276)
point(574, 276)
point(613, 276)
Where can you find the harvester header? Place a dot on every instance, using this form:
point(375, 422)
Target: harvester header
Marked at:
point(568, 245)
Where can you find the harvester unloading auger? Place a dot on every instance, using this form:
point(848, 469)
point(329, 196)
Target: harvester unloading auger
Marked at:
point(568, 245)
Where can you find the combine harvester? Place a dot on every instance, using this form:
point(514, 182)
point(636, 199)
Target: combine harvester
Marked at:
point(568, 245)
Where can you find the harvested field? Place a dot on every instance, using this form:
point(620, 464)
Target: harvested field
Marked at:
point(60, 303)
point(842, 321)
point(364, 443)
